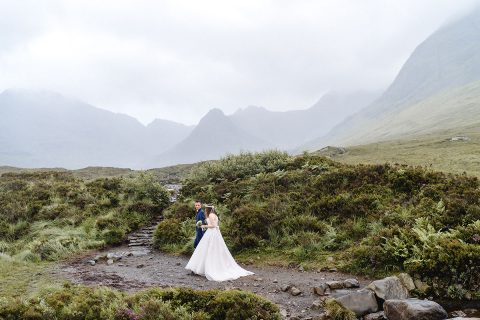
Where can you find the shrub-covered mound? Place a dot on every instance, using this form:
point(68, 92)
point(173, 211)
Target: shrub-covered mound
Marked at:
point(49, 215)
point(373, 219)
point(80, 302)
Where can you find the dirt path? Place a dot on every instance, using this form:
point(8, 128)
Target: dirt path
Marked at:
point(136, 267)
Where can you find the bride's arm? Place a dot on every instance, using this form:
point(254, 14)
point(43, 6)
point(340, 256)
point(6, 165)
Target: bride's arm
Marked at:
point(210, 225)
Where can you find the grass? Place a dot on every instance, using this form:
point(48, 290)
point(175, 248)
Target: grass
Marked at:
point(433, 150)
point(23, 279)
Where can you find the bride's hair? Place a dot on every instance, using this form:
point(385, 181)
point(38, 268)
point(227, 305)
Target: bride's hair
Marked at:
point(210, 209)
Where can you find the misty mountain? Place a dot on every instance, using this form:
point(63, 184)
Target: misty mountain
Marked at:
point(164, 134)
point(448, 59)
point(213, 137)
point(45, 129)
point(289, 129)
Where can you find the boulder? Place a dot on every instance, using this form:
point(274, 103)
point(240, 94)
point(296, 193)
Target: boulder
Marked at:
point(361, 302)
point(389, 288)
point(375, 316)
point(351, 283)
point(407, 281)
point(396, 309)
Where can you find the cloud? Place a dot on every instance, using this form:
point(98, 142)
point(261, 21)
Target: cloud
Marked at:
point(178, 59)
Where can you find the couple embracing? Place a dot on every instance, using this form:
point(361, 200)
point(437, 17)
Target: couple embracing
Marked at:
point(211, 257)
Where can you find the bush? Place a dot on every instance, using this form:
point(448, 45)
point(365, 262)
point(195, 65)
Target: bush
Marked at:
point(306, 208)
point(90, 213)
point(80, 302)
point(169, 231)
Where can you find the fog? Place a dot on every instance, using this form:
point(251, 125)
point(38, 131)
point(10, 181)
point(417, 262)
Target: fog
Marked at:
point(178, 59)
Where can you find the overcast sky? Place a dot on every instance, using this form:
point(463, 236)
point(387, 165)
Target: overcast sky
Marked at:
point(178, 59)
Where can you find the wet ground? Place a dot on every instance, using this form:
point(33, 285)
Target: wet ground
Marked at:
point(140, 268)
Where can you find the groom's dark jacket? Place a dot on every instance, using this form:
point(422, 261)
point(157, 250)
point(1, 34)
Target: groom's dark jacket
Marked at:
point(200, 217)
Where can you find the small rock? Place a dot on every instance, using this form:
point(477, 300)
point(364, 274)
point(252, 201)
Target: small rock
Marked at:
point(458, 313)
point(91, 262)
point(375, 316)
point(335, 284)
point(332, 269)
point(110, 261)
point(330, 259)
point(100, 257)
point(283, 313)
point(301, 269)
point(258, 279)
point(285, 287)
point(140, 265)
point(396, 309)
point(321, 289)
point(178, 264)
point(275, 281)
point(294, 291)
point(317, 304)
point(351, 283)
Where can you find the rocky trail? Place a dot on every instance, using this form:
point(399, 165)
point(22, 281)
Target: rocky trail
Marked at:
point(136, 266)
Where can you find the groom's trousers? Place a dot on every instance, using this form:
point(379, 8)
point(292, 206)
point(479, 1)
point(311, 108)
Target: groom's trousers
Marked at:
point(198, 237)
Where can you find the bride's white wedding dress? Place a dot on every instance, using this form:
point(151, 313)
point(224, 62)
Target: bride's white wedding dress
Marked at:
point(212, 258)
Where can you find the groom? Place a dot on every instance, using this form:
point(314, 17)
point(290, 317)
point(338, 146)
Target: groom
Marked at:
point(200, 217)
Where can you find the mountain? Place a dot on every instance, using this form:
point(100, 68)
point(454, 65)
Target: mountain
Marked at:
point(164, 134)
point(448, 59)
point(289, 129)
point(45, 129)
point(213, 137)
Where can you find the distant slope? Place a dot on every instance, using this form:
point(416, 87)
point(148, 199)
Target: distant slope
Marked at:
point(45, 129)
point(436, 150)
point(448, 59)
point(214, 136)
point(449, 109)
point(289, 129)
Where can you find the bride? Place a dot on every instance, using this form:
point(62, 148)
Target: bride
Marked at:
point(211, 257)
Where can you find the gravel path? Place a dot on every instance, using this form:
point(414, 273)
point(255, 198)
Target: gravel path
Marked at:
point(140, 268)
point(135, 266)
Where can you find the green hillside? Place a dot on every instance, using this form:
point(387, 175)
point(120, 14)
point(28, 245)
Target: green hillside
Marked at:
point(435, 150)
point(456, 108)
